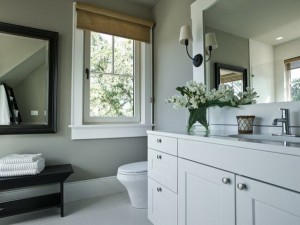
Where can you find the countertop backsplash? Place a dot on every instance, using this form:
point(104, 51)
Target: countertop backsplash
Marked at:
point(225, 118)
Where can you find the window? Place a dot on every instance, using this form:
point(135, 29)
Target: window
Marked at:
point(112, 99)
point(112, 83)
point(293, 79)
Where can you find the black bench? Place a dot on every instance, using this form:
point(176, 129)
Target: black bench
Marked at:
point(50, 175)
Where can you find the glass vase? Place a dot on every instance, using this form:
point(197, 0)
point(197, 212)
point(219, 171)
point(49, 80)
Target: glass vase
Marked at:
point(198, 115)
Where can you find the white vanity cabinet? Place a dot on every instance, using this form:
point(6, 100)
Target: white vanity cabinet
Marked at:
point(221, 181)
point(162, 180)
point(206, 196)
point(209, 196)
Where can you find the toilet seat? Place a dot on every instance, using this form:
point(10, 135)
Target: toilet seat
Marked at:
point(138, 168)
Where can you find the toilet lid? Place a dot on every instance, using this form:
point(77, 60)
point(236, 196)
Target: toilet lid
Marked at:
point(138, 167)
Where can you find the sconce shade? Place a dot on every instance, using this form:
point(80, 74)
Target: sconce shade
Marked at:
point(185, 38)
point(210, 40)
point(185, 34)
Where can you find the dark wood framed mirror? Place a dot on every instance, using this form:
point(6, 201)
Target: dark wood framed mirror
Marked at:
point(233, 76)
point(28, 79)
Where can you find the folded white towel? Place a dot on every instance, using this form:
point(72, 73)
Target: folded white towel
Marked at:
point(21, 172)
point(20, 158)
point(22, 166)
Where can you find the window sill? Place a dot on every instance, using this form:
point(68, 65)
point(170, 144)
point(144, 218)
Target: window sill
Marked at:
point(81, 132)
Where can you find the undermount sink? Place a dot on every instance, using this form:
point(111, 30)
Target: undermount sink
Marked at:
point(268, 137)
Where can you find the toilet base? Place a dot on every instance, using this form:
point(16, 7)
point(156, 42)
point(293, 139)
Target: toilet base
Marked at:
point(138, 200)
point(136, 186)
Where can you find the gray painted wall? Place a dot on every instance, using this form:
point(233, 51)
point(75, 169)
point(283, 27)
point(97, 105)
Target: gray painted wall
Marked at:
point(172, 67)
point(31, 95)
point(90, 158)
point(232, 50)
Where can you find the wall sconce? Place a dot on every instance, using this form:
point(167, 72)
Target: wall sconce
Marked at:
point(210, 44)
point(184, 39)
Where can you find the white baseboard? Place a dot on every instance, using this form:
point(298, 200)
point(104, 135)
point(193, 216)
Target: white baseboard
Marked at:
point(74, 191)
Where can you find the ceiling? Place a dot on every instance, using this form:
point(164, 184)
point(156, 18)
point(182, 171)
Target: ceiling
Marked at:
point(261, 20)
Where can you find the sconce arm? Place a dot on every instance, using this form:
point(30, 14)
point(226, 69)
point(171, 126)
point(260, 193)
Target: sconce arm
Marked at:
point(197, 60)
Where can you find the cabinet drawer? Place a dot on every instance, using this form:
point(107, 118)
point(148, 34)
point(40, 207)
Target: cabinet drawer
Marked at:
point(270, 167)
point(163, 168)
point(162, 204)
point(163, 144)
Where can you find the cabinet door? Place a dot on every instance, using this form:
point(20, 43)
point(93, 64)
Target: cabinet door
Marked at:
point(162, 204)
point(264, 204)
point(206, 196)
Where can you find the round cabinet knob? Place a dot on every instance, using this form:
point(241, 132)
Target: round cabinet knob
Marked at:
point(226, 180)
point(159, 189)
point(158, 140)
point(241, 186)
point(158, 157)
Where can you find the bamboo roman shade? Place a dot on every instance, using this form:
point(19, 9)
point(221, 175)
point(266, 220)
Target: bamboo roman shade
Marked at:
point(293, 63)
point(101, 20)
point(231, 77)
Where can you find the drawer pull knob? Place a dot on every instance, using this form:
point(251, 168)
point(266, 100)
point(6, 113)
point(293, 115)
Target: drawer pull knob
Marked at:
point(226, 180)
point(241, 187)
point(158, 140)
point(158, 157)
point(159, 189)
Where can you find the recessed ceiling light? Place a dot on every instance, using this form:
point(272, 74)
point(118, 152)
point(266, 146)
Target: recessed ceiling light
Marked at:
point(279, 38)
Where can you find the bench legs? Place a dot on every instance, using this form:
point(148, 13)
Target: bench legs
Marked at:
point(62, 199)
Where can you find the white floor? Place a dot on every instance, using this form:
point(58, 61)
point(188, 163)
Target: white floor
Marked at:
point(108, 210)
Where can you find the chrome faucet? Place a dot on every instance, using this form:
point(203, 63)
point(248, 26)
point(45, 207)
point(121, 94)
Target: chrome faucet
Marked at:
point(285, 120)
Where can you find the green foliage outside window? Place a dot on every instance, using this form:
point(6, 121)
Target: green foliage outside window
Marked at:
point(295, 90)
point(112, 76)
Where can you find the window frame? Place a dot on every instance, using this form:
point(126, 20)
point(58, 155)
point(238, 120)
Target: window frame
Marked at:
point(288, 77)
point(81, 131)
point(87, 119)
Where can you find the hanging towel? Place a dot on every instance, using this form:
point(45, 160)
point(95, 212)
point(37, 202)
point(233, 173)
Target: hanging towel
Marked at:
point(20, 158)
point(4, 109)
point(22, 166)
point(21, 172)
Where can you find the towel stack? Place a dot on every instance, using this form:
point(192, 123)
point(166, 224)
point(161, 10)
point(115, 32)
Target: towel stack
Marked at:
point(21, 164)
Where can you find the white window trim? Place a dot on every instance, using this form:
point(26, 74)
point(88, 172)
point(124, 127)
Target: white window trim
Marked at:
point(79, 130)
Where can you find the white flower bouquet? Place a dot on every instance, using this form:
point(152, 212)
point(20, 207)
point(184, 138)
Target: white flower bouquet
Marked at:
point(196, 99)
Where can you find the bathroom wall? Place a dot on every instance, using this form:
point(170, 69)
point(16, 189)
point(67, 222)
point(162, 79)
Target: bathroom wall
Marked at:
point(238, 47)
point(262, 70)
point(90, 158)
point(30, 95)
point(172, 66)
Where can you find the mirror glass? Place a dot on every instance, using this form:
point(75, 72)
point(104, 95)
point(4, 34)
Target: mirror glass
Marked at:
point(264, 38)
point(28, 71)
point(235, 77)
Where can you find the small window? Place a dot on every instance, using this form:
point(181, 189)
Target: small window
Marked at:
point(112, 79)
point(111, 74)
point(293, 79)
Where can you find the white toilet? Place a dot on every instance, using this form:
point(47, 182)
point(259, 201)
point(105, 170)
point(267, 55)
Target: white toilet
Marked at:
point(134, 177)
